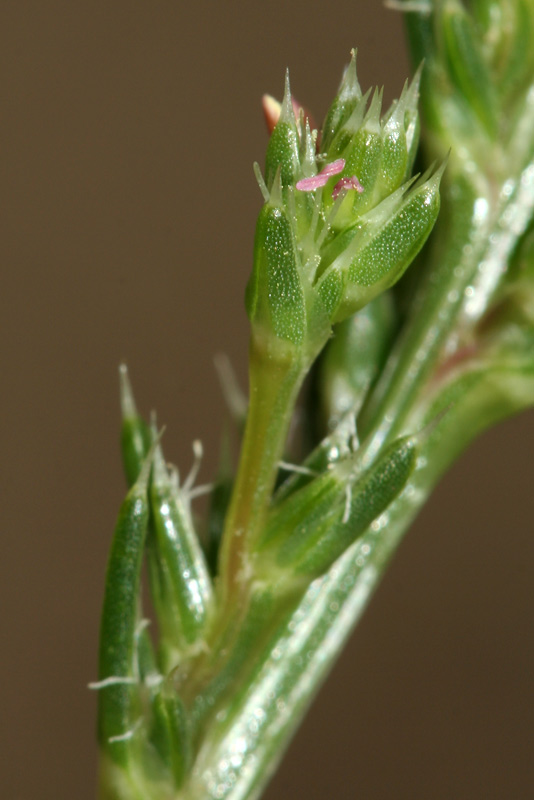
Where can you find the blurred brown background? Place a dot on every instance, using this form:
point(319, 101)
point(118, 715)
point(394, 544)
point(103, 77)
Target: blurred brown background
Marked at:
point(128, 134)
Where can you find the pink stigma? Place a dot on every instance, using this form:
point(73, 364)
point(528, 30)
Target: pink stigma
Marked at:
point(347, 183)
point(322, 178)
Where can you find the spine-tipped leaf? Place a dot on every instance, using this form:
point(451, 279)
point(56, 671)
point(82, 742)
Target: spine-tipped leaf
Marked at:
point(283, 149)
point(307, 532)
point(119, 707)
point(135, 433)
point(369, 497)
point(346, 100)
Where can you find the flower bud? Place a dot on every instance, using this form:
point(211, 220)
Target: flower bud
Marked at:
point(514, 43)
point(363, 156)
point(379, 152)
point(340, 226)
point(400, 139)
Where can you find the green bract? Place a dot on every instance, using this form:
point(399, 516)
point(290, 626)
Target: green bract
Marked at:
point(340, 224)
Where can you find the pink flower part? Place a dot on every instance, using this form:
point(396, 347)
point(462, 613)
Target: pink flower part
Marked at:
point(322, 178)
point(272, 110)
point(347, 183)
point(334, 168)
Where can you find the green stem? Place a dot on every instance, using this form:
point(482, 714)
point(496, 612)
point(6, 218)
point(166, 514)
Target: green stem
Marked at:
point(468, 258)
point(241, 751)
point(239, 755)
point(274, 386)
point(432, 316)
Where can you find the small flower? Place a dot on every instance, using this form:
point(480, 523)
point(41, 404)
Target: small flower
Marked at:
point(347, 183)
point(322, 178)
point(319, 259)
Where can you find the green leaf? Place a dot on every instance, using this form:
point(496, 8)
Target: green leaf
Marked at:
point(283, 148)
point(171, 734)
point(311, 529)
point(347, 99)
point(275, 298)
point(135, 433)
point(119, 696)
point(467, 66)
point(369, 497)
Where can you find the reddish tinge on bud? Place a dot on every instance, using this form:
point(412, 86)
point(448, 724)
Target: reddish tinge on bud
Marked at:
point(272, 110)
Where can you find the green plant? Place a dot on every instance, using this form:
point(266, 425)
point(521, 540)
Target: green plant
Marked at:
point(249, 624)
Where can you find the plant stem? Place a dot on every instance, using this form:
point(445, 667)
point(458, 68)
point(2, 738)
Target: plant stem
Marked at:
point(241, 751)
point(238, 756)
point(468, 257)
point(274, 386)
